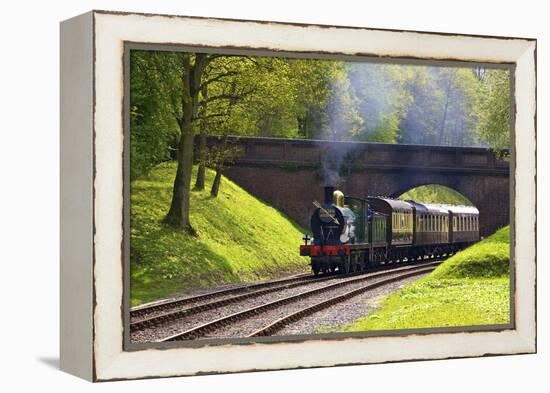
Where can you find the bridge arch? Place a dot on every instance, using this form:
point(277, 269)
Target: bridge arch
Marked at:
point(435, 193)
point(457, 184)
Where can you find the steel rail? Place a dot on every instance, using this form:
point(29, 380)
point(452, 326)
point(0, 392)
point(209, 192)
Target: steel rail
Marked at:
point(172, 316)
point(175, 303)
point(204, 328)
point(306, 311)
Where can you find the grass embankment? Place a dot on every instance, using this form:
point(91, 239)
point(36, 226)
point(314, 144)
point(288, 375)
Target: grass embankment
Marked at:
point(470, 288)
point(239, 238)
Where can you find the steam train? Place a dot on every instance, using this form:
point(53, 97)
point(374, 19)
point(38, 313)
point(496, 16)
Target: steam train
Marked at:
point(352, 234)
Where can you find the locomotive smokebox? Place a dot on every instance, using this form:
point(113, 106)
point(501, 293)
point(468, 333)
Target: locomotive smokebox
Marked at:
point(329, 195)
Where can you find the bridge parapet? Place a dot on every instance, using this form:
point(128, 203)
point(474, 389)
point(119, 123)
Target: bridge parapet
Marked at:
point(362, 155)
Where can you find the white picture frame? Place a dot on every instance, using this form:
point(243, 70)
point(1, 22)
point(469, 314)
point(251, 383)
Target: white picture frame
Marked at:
point(93, 189)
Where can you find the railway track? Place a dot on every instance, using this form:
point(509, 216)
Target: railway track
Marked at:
point(355, 286)
point(150, 309)
point(175, 311)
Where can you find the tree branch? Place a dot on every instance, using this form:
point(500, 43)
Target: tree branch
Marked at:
point(218, 77)
point(224, 97)
point(204, 117)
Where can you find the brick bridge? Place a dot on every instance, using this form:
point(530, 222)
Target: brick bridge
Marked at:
point(289, 174)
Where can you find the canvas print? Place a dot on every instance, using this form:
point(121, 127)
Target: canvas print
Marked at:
point(283, 196)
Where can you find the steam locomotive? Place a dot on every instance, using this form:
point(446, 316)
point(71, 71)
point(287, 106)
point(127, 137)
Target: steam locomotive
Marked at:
point(352, 234)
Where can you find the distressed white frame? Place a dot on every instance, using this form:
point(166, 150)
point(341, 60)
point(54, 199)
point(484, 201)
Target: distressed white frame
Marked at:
point(92, 233)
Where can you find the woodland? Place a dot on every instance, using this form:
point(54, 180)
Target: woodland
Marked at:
point(177, 96)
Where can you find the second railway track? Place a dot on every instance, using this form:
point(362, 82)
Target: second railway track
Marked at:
point(321, 296)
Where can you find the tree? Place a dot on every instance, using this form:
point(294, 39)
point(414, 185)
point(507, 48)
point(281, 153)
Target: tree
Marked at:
point(344, 121)
point(223, 86)
point(443, 109)
point(383, 99)
point(218, 158)
point(494, 115)
point(153, 128)
point(192, 67)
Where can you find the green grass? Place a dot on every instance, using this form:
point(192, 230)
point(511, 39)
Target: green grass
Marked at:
point(434, 193)
point(470, 288)
point(239, 238)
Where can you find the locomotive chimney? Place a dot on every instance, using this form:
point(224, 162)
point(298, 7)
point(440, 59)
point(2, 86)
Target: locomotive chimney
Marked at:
point(329, 195)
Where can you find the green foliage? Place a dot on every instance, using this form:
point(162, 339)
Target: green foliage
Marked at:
point(239, 238)
point(494, 117)
point(153, 128)
point(488, 258)
point(443, 108)
point(344, 121)
point(470, 288)
point(434, 193)
point(382, 99)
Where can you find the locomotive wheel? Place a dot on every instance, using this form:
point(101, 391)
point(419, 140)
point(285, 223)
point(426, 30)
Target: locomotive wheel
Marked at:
point(345, 265)
point(316, 270)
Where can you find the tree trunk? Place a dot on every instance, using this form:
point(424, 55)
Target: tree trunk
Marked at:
point(178, 215)
point(201, 173)
point(216, 185)
point(444, 120)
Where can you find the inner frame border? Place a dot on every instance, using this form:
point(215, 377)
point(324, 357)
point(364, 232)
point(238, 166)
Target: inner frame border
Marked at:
point(128, 46)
